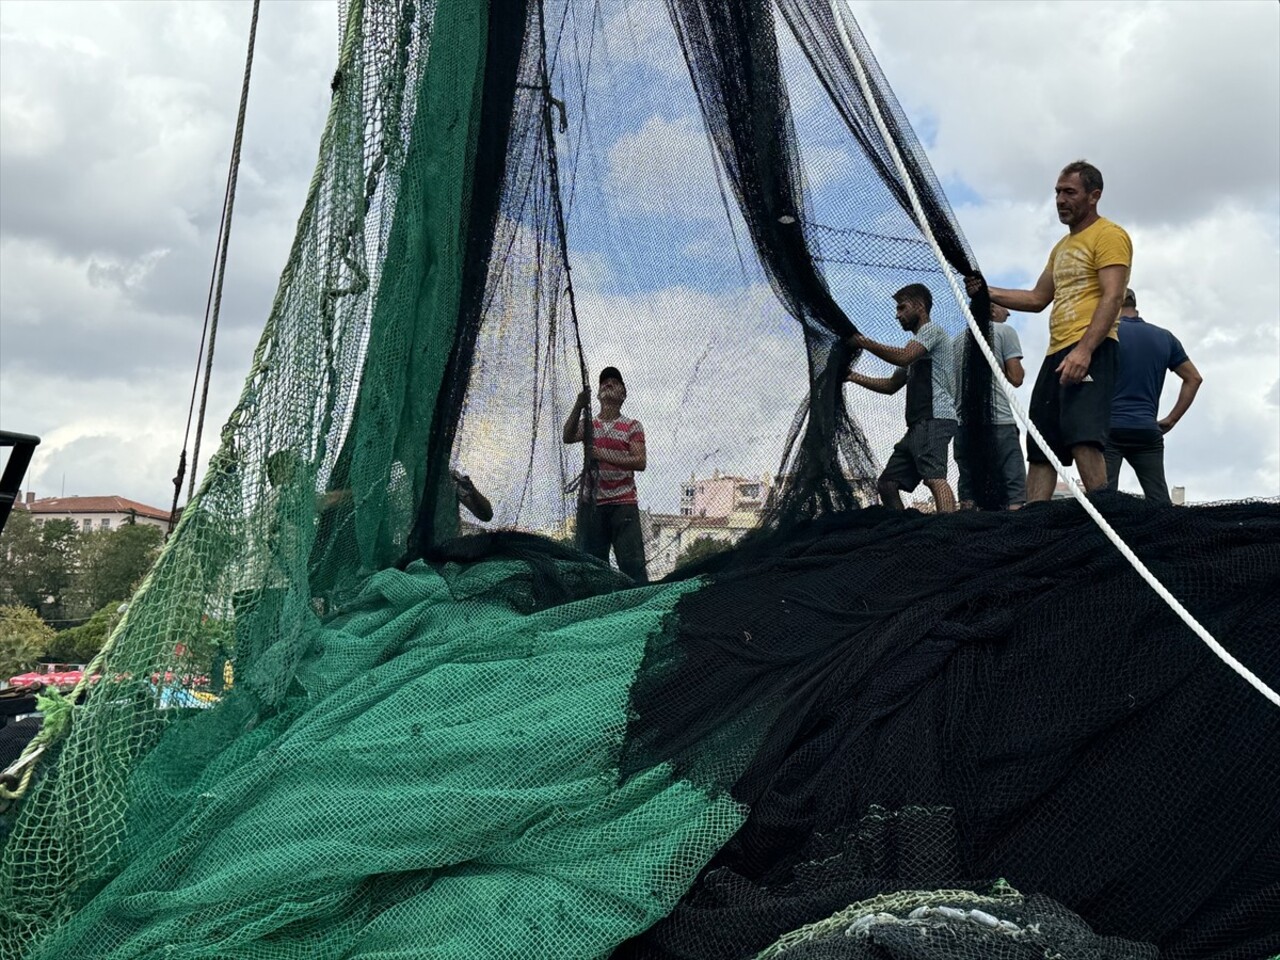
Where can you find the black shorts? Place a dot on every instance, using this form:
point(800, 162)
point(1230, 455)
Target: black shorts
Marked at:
point(920, 455)
point(1076, 415)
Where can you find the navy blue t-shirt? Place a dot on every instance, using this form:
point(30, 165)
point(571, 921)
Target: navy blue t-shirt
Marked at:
point(1147, 352)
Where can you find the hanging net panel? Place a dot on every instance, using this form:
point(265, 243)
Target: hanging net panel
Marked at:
point(346, 716)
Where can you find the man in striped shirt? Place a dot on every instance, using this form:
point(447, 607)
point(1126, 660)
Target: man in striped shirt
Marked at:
point(608, 511)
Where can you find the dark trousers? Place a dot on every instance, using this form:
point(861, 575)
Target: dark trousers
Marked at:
point(1007, 447)
point(1144, 450)
point(614, 525)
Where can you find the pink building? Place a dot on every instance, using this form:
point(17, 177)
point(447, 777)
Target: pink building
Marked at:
point(719, 508)
point(721, 495)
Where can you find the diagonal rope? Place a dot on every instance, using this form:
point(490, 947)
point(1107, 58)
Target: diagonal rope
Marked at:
point(1161, 590)
point(213, 302)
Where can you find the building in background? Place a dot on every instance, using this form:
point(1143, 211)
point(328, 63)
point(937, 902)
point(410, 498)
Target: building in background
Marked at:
point(93, 513)
point(722, 495)
point(720, 508)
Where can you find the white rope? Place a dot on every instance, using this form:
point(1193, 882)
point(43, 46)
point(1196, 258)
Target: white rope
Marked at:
point(1200, 631)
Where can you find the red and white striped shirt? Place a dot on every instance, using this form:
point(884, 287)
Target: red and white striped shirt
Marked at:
point(615, 484)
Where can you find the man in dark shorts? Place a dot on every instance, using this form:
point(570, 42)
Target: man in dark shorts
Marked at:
point(1085, 280)
point(608, 509)
point(926, 368)
point(1147, 352)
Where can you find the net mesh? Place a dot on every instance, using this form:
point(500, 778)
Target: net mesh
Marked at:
point(343, 717)
point(1002, 925)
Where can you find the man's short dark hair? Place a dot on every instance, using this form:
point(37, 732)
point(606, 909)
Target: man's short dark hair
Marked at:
point(915, 291)
point(1090, 175)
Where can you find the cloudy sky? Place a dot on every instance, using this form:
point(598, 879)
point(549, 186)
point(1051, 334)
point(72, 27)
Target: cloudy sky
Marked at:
point(115, 128)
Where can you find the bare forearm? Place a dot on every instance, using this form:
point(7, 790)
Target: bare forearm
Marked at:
point(1014, 372)
point(478, 504)
point(1186, 394)
point(876, 384)
point(573, 426)
point(331, 498)
point(895, 355)
point(1021, 301)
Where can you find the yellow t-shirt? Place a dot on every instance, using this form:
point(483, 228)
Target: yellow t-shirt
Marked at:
point(1075, 262)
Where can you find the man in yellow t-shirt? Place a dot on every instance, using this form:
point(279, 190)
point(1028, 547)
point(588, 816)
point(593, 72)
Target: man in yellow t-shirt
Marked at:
point(1085, 280)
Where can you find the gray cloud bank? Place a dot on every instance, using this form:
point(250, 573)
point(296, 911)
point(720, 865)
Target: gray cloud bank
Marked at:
point(116, 124)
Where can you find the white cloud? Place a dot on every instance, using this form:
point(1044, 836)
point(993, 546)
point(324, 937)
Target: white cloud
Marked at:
point(1213, 282)
point(638, 34)
point(1175, 102)
point(126, 443)
point(715, 378)
point(1179, 105)
point(115, 128)
point(664, 169)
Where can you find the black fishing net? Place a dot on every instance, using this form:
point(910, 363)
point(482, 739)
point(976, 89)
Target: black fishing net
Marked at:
point(683, 181)
point(1022, 677)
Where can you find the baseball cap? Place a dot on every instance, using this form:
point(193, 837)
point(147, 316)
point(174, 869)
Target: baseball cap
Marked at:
point(611, 373)
point(1130, 298)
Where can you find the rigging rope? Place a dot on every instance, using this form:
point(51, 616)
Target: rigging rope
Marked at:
point(998, 372)
point(213, 302)
point(553, 172)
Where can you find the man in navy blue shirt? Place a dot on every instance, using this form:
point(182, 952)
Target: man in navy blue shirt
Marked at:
point(1146, 353)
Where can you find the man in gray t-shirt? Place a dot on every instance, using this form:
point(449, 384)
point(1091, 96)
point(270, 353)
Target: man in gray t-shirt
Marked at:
point(1007, 445)
point(926, 368)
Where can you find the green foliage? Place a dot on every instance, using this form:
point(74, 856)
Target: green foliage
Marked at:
point(700, 549)
point(113, 561)
point(62, 573)
point(24, 637)
point(80, 644)
point(38, 563)
point(212, 641)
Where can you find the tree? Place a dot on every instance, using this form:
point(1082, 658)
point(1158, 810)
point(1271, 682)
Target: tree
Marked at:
point(700, 549)
point(24, 637)
point(80, 644)
point(38, 563)
point(112, 562)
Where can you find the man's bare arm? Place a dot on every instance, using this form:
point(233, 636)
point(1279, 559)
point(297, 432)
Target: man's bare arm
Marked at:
point(1191, 381)
point(1013, 370)
point(473, 499)
point(573, 426)
point(1022, 301)
point(898, 356)
point(1075, 365)
point(332, 498)
point(887, 385)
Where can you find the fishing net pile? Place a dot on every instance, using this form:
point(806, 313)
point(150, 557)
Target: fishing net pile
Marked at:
point(339, 721)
